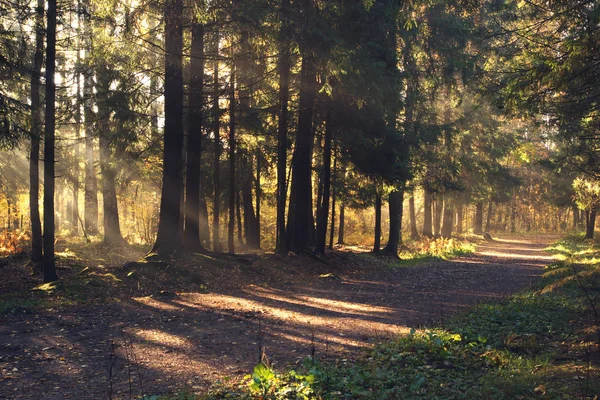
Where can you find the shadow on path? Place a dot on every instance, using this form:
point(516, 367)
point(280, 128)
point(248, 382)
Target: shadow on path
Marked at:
point(151, 345)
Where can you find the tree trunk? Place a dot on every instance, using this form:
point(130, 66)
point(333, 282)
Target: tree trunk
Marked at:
point(249, 216)
point(34, 154)
point(112, 229)
point(427, 217)
point(342, 223)
point(395, 234)
point(300, 212)
point(282, 131)
point(217, 151)
point(258, 193)
point(590, 223)
point(478, 224)
point(191, 233)
point(439, 207)
point(238, 209)
point(447, 220)
point(90, 184)
point(168, 238)
point(323, 210)
point(459, 218)
point(49, 268)
point(332, 225)
point(488, 221)
point(377, 244)
point(513, 217)
point(414, 233)
point(232, 192)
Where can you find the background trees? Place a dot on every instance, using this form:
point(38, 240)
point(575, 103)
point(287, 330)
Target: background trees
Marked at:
point(258, 111)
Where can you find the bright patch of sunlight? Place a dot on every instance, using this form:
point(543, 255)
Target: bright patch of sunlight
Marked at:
point(160, 305)
point(311, 313)
point(162, 338)
point(46, 287)
point(66, 254)
point(511, 255)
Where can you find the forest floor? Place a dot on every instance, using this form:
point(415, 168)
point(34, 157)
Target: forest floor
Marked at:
point(115, 330)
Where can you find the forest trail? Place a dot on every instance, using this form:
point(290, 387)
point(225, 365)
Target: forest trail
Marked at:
point(153, 345)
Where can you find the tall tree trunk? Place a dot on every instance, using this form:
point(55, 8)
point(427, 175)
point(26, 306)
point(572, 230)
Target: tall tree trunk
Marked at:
point(281, 245)
point(300, 212)
point(323, 210)
point(459, 218)
point(90, 183)
point(513, 218)
point(427, 217)
point(112, 229)
point(439, 207)
point(448, 220)
point(377, 244)
point(217, 150)
point(48, 238)
point(232, 192)
point(258, 191)
point(36, 128)
point(191, 234)
point(238, 208)
point(249, 216)
point(204, 227)
point(414, 233)
point(333, 196)
point(395, 233)
point(590, 223)
point(488, 221)
point(575, 216)
point(168, 238)
point(478, 225)
point(232, 122)
point(342, 223)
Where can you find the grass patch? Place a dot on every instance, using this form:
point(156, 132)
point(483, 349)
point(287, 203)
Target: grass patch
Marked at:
point(534, 345)
point(427, 250)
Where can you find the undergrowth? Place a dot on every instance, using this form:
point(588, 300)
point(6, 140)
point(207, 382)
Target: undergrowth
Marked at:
point(432, 249)
point(534, 345)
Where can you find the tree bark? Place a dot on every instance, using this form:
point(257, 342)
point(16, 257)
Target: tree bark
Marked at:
point(258, 192)
point(341, 224)
point(395, 233)
point(590, 223)
point(459, 218)
point(333, 196)
point(49, 266)
point(112, 229)
point(427, 217)
point(323, 210)
point(217, 151)
point(300, 211)
point(377, 244)
point(232, 192)
point(168, 238)
point(478, 224)
point(437, 222)
point(281, 245)
point(250, 221)
point(34, 154)
point(488, 221)
point(447, 220)
point(414, 233)
point(191, 233)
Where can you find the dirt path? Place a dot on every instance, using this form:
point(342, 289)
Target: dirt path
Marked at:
point(153, 345)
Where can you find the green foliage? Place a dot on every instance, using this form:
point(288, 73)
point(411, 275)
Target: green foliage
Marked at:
point(587, 193)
